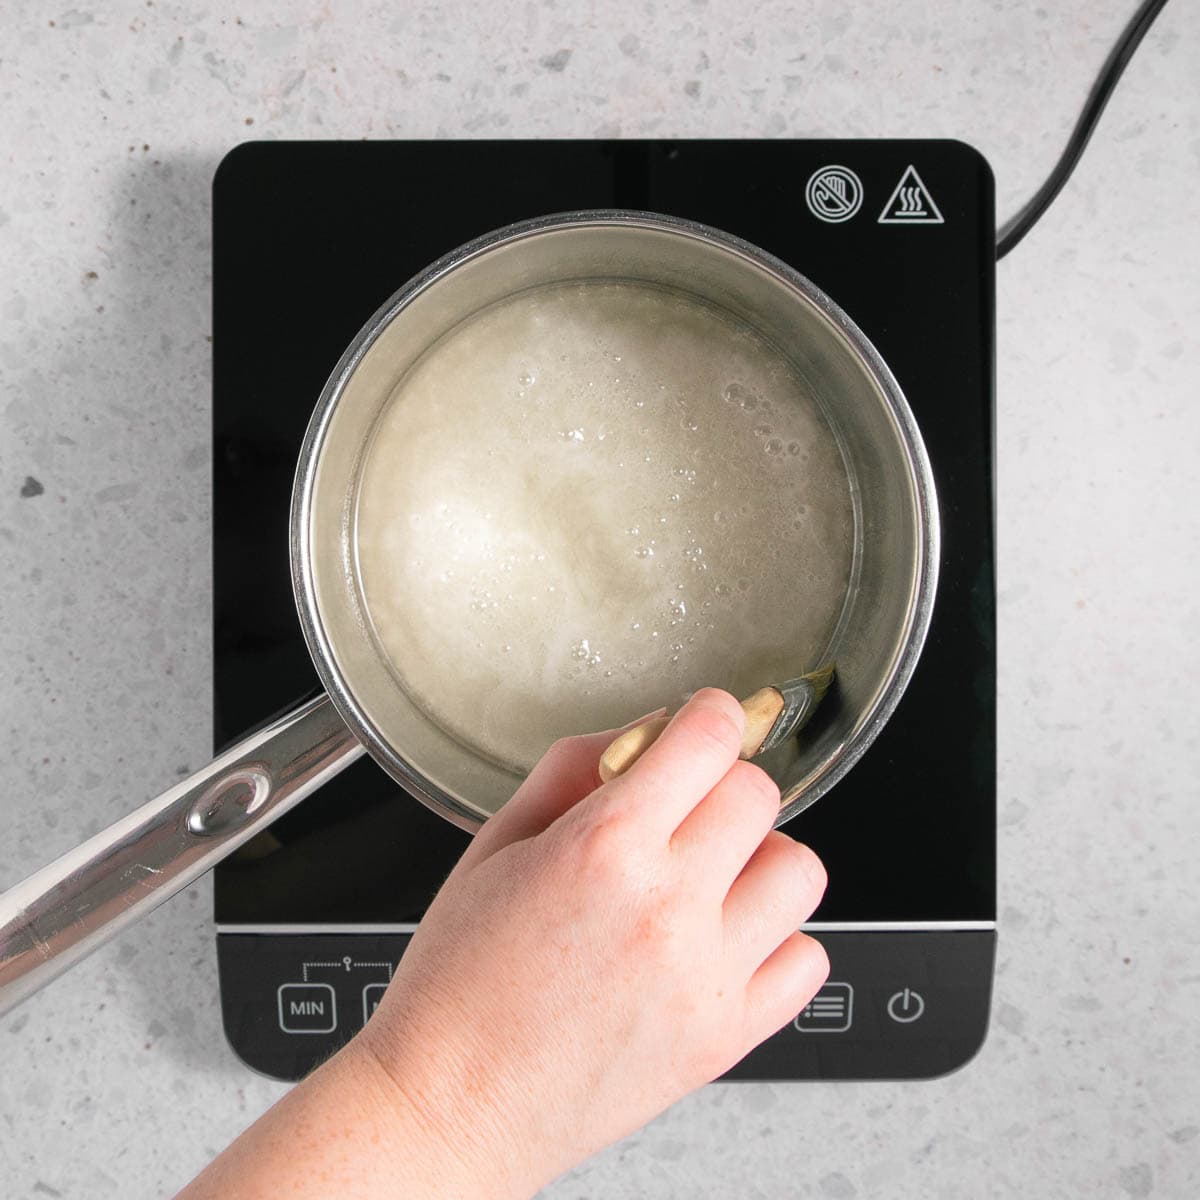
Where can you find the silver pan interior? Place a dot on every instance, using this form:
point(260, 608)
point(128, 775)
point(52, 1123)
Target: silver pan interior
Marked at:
point(890, 598)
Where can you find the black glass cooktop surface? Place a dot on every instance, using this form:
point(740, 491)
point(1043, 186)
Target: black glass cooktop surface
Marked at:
point(309, 240)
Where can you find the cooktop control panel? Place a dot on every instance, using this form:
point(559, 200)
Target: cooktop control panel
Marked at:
point(896, 1006)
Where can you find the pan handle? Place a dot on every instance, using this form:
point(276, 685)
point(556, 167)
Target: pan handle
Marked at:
point(64, 911)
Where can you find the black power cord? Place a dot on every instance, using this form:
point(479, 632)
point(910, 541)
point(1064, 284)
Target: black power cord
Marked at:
point(1017, 226)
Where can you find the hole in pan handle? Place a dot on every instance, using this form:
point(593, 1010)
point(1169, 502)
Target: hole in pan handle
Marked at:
point(63, 912)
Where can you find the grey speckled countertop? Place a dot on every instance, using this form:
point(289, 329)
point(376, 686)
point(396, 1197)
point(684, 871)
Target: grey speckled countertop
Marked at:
point(117, 1081)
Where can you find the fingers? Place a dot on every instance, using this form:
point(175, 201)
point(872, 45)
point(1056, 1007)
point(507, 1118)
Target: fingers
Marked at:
point(783, 985)
point(563, 776)
point(729, 824)
point(690, 757)
point(777, 891)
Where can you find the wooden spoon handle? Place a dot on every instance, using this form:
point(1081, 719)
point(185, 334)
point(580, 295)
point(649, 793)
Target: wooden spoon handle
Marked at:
point(762, 711)
point(624, 751)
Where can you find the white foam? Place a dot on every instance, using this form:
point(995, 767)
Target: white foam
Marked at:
point(591, 500)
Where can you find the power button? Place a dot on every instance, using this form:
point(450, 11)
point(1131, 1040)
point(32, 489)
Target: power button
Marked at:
point(905, 1006)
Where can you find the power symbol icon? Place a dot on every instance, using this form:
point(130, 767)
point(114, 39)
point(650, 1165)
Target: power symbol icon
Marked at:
point(905, 1006)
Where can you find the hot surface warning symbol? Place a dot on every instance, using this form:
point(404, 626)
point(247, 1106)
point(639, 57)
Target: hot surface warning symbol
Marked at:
point(911, 203)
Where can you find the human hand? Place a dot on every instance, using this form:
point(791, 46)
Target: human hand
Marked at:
point(599, 952)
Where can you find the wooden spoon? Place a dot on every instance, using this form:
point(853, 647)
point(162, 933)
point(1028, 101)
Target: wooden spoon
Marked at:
point(772, 714)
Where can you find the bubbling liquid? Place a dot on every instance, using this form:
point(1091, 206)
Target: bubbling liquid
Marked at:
point(590, 500)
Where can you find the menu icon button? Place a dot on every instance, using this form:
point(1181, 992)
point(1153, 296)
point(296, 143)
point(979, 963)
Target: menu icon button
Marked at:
point(830, 1011)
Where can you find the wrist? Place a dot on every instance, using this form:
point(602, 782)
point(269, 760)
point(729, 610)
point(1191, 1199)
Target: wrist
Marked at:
point(356, 1127)
point(438, 1122)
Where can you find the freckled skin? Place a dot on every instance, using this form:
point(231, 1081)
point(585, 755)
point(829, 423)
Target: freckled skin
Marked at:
point(598, 952)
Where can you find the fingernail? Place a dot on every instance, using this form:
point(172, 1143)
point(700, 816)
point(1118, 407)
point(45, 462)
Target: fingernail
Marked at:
point(815, 869)
point(658, 712)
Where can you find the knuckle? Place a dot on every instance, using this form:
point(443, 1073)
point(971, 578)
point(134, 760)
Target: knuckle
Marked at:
point(819, 955)
point(812, 865)
point(816, 964)
point(753, 779)
point(722, 702)
point(715, 727)
point(798, 861)
point(566, 754)
point(563, 747)
point(604, 845)
point(714, 1057)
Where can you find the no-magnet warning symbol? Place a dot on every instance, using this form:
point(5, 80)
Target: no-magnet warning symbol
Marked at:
point(834, 194)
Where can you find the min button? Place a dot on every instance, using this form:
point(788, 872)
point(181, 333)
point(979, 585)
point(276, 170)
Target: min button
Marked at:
point(307, 1008)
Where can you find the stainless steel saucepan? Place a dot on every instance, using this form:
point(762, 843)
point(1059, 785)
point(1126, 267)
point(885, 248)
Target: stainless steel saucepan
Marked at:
point(62, 912)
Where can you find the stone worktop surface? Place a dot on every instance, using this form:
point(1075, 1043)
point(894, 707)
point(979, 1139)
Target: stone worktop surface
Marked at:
point(117, 1080)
